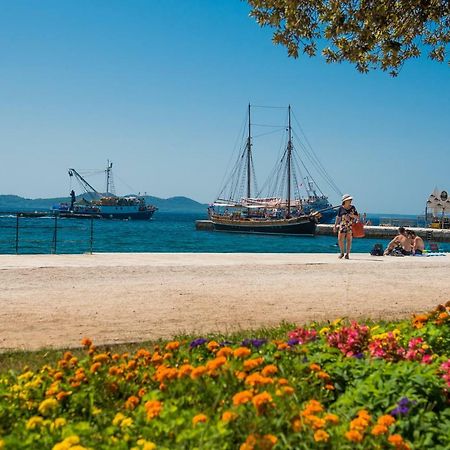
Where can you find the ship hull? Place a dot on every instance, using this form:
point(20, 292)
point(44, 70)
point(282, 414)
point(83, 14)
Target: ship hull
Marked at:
point(303, 227)
point(140, 215)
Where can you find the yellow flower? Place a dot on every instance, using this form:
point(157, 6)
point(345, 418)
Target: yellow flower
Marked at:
point(127, 422)
point(199, 418)
point(321, 436)
point(146, 445)
point(324, 330)
point(2, 444)
point(68, 443)
point(118, 419)
point(34, 422)
point(47, 406)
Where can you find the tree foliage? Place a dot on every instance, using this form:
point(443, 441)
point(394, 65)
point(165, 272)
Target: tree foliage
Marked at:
point(371, 34)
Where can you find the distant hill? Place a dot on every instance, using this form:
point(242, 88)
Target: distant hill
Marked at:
point(175, 204)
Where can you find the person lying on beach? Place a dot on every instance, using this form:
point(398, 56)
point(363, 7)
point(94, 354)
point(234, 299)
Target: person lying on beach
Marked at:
point(417, 243)
point(400, 245)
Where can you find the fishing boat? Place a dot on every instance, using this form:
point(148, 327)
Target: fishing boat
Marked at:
point(284, 211)
point(103, 206)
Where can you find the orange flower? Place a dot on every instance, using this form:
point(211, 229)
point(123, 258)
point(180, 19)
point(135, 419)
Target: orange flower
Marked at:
point(397, 441)
point(240, 375)
point(94, 368)
point(131, 402)
point(228, 416)
point(257, 379)
point(323, 375)
point(354, 436)
point(330, 387)
point(153, 409)
point(242, 397)
point(379, 429)
point(171, 346)
point(287, 390)
point(315, 367)
point(115, 357)
point(312, 407)
point(321, 436)
point(269, 370)
point(197, 372)
point(225, 351)
point(86, 342)
point(260, 400)
point(216, 363)
point(386, 420)
point(251, 364)
point(283, 346)
point(297, 425)
point(283, 381)
point(332, 418)
point(143, 353)
point(242, 352)
point(212, 345)
point(62, 395)
point(185, 370)
point(101, 357)
point(199, 418)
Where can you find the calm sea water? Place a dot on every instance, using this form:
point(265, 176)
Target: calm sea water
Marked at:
point(166, 232)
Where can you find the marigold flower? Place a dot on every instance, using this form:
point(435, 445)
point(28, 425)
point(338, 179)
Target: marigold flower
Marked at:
point(321, 436)
point(86, 342)
point(198, 372)
point(242, 352)
point(225, 351)
point(251, 364)
point(256, 379)
point(171, 346)
point(283, 381)
point(354, 436)
point(312, 407)
point(315, 367)
point(212, 345)
point(34, 422)
point(323, 375)
point(153, 409)
point(47, 406)
point(185, 370)
point(242, 397)
point(379, 429)
point(297, 425)
point(386, 420)
point(397, 441)
point(260, 400)
point(70, 442)
point(62, 395)
point(94, 367)
point(199, 418)
point(283, 346)
point(131, 402)
point(101, 357)
point(329, 387)
point(332, 418)
point(228, 416)
point(146, 445)
point(216, 363)
point(269, 370)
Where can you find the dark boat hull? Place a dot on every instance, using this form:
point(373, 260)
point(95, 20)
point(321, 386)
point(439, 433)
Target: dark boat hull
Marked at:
point(141, 215)
point(300, 228)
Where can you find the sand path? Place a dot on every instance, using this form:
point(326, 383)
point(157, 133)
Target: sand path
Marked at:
point(55, 300)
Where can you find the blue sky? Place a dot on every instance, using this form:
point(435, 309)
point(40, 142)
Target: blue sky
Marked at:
point(161, 88)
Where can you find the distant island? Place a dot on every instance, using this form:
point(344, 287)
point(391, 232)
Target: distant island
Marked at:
point(172, 204)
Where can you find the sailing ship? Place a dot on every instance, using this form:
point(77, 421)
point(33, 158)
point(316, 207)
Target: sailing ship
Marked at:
point(104, 206)
point(285, 211)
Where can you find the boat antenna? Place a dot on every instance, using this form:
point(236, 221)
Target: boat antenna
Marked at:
point(289, 157)
point(249, 155)
point(108, 170)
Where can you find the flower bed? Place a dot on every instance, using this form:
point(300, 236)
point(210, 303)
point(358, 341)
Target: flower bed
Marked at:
point(345, 385)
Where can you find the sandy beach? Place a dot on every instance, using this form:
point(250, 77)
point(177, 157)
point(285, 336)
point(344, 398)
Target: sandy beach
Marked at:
point(55, 300)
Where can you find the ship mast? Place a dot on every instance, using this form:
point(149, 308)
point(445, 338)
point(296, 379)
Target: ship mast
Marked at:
point(249, 155)
point(289, 157)
point(108, 175)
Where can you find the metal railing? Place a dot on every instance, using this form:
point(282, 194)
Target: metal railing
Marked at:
point(22, 233)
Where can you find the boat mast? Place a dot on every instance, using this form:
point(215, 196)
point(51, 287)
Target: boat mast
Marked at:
point(289, 156)
point(249, 155)
point(108, 171)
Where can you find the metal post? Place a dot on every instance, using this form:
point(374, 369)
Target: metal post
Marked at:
point(92, 236)
point(17, 233)
point(55, 236)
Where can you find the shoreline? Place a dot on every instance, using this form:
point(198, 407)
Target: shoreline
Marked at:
point(55, 300)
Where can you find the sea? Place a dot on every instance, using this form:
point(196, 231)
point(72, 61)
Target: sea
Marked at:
point(166, 232)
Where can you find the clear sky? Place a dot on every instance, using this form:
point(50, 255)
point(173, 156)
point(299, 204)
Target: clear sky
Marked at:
point(161, 88)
